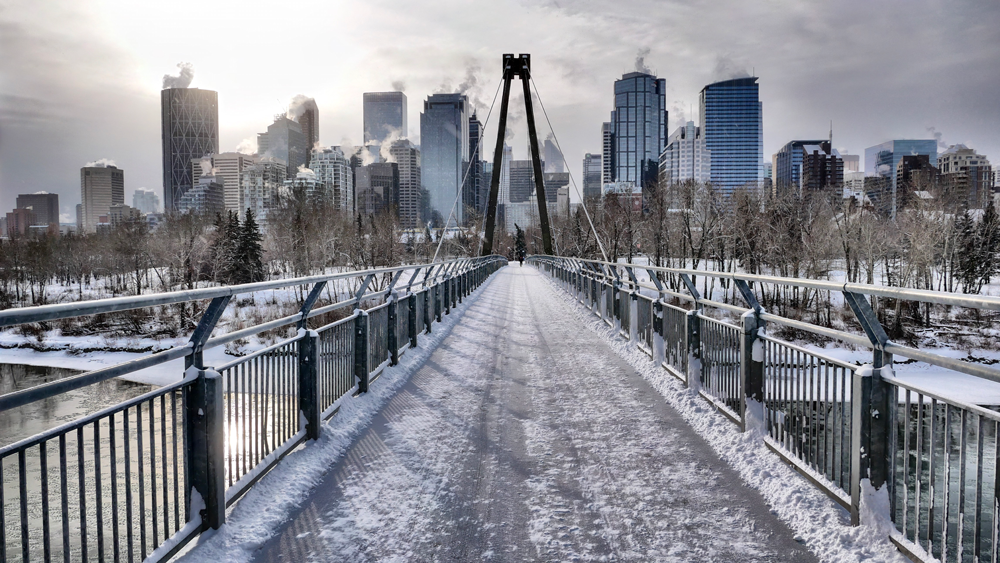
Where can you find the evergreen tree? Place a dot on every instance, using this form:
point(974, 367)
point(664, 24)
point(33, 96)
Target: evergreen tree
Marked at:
point(223, 250)
point(989, 243)
point(520, 246)
point(249, 252)
point(967, 269)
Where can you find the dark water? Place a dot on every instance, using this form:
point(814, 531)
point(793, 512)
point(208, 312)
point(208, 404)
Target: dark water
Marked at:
point(24, 422)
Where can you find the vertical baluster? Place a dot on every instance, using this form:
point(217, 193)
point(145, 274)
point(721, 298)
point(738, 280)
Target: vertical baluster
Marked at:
point(231, 431)
point(98, 490)
point(931, 484)
point(977, 520)
point(3, 515)
point(113, 464)
point(960, 535)
point(151, 409)
point(177, 461)
point(63, 497)
point(906, 463)
point(946, 501)
point(22, 473)
point(44, 483)
point(918, 467)
point(141, 466)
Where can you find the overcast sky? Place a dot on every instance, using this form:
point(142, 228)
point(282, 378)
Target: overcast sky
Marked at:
point(80, 80)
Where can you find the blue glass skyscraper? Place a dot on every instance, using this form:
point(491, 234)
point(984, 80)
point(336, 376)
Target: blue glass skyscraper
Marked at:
point(731, 121)
point(639, 126)
point(882, 160)
point(444, 152)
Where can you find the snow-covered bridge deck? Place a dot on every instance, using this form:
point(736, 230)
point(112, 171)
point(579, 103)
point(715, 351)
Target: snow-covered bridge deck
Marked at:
point(525, 437)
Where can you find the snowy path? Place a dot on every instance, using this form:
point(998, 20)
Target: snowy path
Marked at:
point(525, 437)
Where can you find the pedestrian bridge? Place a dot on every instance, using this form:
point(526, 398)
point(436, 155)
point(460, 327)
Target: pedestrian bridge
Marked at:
point(470, 410)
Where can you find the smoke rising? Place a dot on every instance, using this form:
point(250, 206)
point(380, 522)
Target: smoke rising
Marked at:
point(248, 145)
point(399, 85)
point(299, 105)
point(938, 136)
point(182, 80)
point(100, 163)
point(640, 61)
point(727, 69)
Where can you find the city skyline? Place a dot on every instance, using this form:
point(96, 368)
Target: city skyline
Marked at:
point(82, 83)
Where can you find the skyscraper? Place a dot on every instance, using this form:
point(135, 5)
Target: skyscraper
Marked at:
point(552, 157)
point(333, 172)
point(189, 129)
point(639, 125)
point(788, 165)
point(883, 159)
point(384, 113)
point(730, 113)
point(607, 153)
point(45, 206)
point(407, 157)
point(966, 175)
point(592, 170)
point(261, 183)
point(229, 167)
point(100, 188)
point(377, 187)
point(306, 114)
point(473, 197)
point(685, 157)
point(444, 149)
point(522, 181)
point(145, 201)
point(286, 142)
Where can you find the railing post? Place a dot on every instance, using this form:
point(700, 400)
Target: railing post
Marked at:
point(392, 334)
point(659, 353)
point(752, 372)
point(361, 350)
point(206, 447)
point(411, 319)
point(428, 311)
point(438, 301)
point(309, 383)
point(633, 315)
point(693, 325)
point(616, 303)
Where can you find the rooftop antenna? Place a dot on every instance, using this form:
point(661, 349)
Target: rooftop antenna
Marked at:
point(831, 134)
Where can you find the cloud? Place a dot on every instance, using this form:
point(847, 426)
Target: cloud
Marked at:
point(299, 105)
point(248, 145)
point(182, 80)
point(100, 163)
point(938, 136)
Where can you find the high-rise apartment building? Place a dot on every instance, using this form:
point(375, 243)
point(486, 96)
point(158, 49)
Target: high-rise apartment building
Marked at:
point(639, 125)
point(607, 153)
point(44, 205)
point(685, 157)
point(286, 142)
point(852, 162)
point(966, 175)
point(332, 169)
point(883, 159)
point(229, 168)
point(822, 168)
point(189, 129)
point(100, 188)
point(787, 173)
point(407, 157)
point(444, 151)
point(307, 116)
point(145, 201)
point(508, 157)
point(385, 114)
point(473, 196)
point(731, 122)
point(261, 183)
point(207, 197)
point(592, 170)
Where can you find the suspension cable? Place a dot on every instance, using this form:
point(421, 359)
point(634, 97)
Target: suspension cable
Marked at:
point(461, 187)
point(583, 202)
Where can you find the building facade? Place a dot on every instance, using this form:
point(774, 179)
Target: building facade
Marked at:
point(607, 153)
point(731, 122)
point(332, 169)
point(822, 168)
point(883, 160)
point(522, 181)
point(685, 157)
point(384, 114)
point(639, 126)
point(100, 188)
point(592, 175)
point(145, 201)
point(444, 152)
point(552, 157)
point(207, 197)
point(261, 185)
point(286, 142)
point(407, 157)
point(377, 188)
point(966, 175)
point(45, 206)
point(308, 119)
point(189, 129)
point(473, 197)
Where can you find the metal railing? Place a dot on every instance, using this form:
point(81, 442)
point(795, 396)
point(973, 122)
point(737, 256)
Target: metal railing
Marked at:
point(139, 480)
point(840, 425)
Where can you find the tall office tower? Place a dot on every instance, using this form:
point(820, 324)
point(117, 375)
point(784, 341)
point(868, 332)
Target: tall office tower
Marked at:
point(229, 167)
point(261, 184)
point(966, 175)
point(286, 142)
point(306, 114)
point(639, 124)
point(444, 148)
point(377, 188)
point(333, 172)
point(472, 196)
point(407, 157)
point(882, 160)
point(787, 173)
point(190, 129)
point(44, 205)
point(685, 157)
point(385, 114)
point(852, 162)
point(145, 201)
point(731, 113)
point(553, 157)
point(553, 183)
point(100, 188)
point(592, 174)
point(522, 181)
point(607, 153)
point(508, 157)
